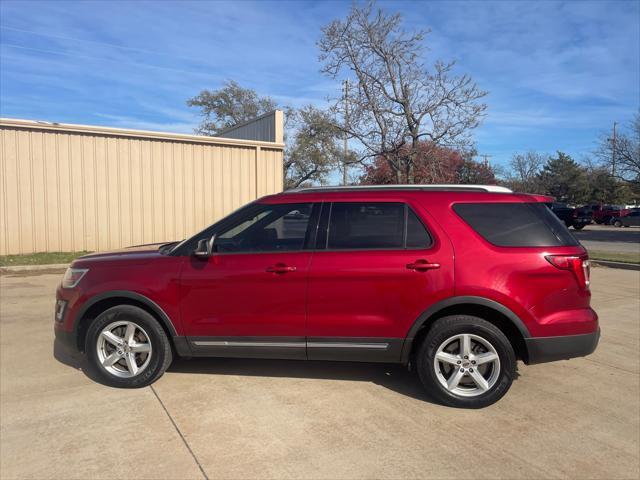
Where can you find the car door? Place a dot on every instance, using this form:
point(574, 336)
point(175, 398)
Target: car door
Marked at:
point(381, 265)
point(248, 298)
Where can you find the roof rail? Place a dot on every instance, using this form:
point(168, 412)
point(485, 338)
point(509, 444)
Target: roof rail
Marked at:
point(347, 188)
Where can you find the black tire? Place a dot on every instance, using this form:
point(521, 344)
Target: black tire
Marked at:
point(161, 354)
point(578, 227)
point(617, 223)
point(447, 327)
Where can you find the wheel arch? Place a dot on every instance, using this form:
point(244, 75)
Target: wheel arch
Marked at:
point(98, 304)
point(490, 310)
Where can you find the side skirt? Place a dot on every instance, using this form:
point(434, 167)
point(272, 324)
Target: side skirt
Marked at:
point(348, 349)
point(249, 347)
point(355, 349)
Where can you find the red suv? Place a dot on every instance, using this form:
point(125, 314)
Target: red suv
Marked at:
point(458, 282)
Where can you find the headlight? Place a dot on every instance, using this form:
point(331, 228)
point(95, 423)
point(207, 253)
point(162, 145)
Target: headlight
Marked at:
point(73, 276)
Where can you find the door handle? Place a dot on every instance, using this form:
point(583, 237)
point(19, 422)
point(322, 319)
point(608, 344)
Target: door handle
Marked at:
point(422, 265)
point(280, 268)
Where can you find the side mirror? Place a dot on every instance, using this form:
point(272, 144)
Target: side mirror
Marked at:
point(205, 247)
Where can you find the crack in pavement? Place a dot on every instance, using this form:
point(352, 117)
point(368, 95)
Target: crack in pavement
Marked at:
point(184, 440)
point(602, 364)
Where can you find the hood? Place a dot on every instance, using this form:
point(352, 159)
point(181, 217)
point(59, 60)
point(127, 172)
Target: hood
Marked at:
point(130, 255)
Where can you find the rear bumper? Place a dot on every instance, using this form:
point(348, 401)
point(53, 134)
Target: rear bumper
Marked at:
point(549, 349)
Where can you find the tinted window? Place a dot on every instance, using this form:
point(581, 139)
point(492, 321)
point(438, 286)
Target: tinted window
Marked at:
point(417, 235)
point(516, 224)
point(270, 228)
point(366, 225)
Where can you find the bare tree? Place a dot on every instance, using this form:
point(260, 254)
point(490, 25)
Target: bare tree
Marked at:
point(397, 101)
point(524, 174)
point(622, 154)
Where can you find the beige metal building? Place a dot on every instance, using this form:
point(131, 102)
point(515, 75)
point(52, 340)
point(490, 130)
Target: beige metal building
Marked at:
point(76, 187)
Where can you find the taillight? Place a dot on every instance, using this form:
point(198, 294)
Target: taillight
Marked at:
point(579, 265)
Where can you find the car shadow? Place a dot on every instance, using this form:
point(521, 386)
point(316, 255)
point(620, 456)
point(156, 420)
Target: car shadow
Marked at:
point(395, 377)
point(75, 360)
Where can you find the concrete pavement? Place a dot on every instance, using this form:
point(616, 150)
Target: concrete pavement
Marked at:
point(226, 418)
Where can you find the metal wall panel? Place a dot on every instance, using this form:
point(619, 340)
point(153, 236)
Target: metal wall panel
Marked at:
point(72, 188)
point(267, 128)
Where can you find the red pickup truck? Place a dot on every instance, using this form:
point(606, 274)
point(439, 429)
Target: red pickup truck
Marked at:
point(606, 214)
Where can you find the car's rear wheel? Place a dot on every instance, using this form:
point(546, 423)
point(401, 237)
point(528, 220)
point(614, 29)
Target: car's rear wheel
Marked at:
point(465, 361)
point(579, 226)
point(617, 223)
point(127, 347)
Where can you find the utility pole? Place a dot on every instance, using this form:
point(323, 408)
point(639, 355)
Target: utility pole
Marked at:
point(486, 158)
point(345, 165)
point(613, 151)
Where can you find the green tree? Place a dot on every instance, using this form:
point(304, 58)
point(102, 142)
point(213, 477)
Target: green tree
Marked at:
point(314, 151)
point(229, 106)
point(310, 135)
point(565, 179)
point(603, 188)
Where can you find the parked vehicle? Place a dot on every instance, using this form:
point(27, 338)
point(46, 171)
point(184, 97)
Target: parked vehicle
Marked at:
point(632, 219)
point(458, 282)
point(577, 218)
point(606, 214)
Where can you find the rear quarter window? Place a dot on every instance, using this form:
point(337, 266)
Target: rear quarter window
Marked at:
point(516, 224)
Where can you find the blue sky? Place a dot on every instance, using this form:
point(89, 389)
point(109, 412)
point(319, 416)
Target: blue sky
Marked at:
point(558, 73)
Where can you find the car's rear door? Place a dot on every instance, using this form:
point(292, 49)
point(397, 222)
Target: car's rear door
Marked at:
point(377, 266)
point(249, 297)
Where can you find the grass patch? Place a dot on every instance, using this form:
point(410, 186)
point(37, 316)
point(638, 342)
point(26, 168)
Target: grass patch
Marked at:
point(615, 256)
point(42, 258)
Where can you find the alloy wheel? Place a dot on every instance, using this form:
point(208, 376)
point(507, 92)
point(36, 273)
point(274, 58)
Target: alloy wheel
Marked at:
point(124, 349)
point(467, 365)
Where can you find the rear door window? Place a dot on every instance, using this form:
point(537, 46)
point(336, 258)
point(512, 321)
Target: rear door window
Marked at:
point(516, 224)
point(370, 225)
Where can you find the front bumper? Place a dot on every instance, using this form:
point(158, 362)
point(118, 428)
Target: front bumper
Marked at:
point(66, 339)
point(549, 349)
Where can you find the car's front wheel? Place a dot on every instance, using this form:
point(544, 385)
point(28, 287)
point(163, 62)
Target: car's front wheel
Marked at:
point(127, 347)
point(617, 223)
point(465, 361)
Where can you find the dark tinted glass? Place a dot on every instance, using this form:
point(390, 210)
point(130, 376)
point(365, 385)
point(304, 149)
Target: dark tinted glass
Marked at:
point(516, 224)
point(271, 228)
point(366, 225)
point(417, 235)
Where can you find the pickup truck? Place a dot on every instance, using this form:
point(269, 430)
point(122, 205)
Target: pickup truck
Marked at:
point(572, 217)
point(606, 214)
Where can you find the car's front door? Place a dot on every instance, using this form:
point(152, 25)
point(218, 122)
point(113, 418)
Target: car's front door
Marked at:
point(380, 268)
point(249, 297)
